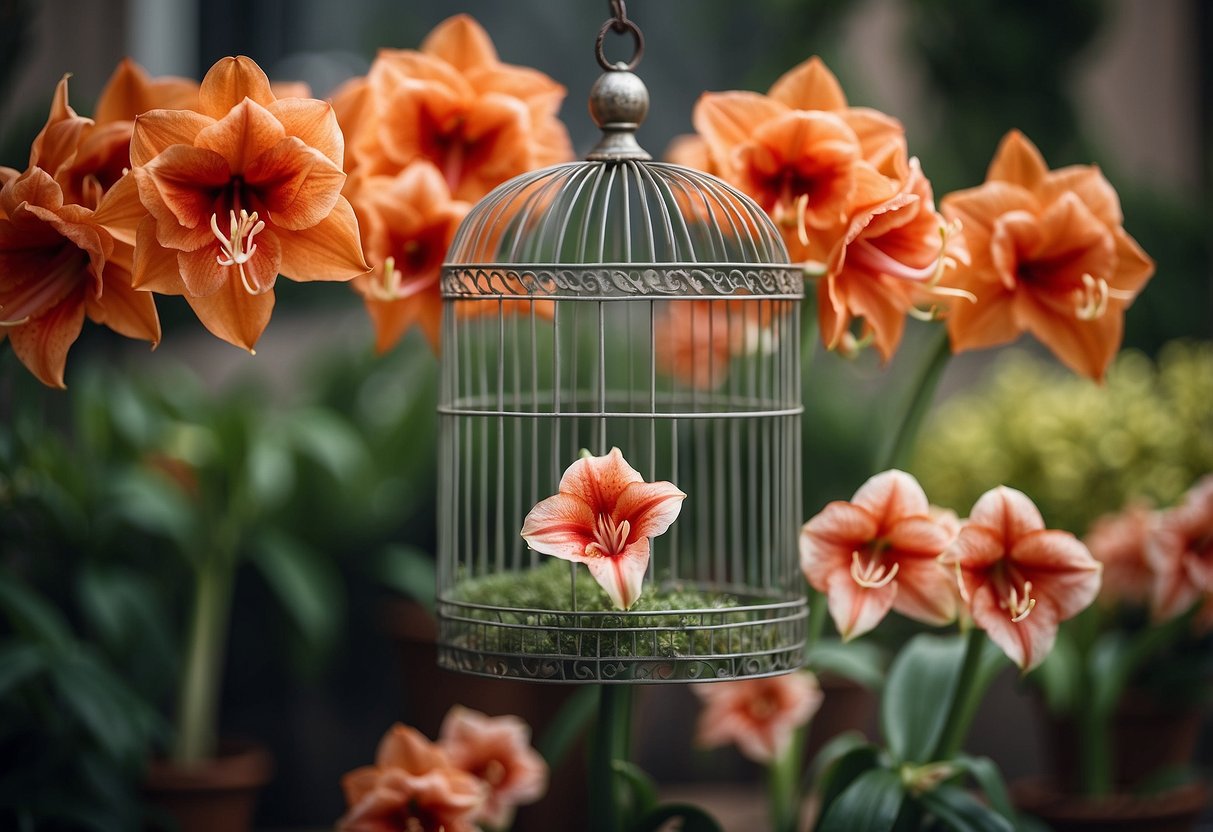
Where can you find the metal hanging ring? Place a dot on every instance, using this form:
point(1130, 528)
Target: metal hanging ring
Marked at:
point(621, 25)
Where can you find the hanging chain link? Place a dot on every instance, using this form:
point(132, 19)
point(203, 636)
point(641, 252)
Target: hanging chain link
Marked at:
point(620, 24)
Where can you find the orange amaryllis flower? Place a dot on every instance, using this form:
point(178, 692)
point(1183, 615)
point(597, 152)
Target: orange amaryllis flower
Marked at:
point(1048, 255)
point(57, 263)
point(1019, 579)
point(412, 786)
point(407, 224)
point(245, 188)
point(454, 104)
point(759, 716)
point(877, 553)
point(1179, 547)
point(1118, 541)
point(498, 751)
point(603, 517)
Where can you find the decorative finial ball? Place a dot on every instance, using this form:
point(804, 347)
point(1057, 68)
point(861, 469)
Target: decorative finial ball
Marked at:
point(618, 97)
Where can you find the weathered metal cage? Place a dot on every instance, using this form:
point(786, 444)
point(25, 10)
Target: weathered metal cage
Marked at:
point(623, 303)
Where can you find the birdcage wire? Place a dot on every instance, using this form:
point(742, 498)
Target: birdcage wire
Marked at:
point(631, 304)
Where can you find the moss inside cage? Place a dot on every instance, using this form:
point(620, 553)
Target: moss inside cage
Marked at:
point(670, 619)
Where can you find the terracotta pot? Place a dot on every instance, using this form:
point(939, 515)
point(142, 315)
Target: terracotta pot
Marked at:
point(211, 795)
point(431, 691)
point(1146, 738)
point(1173, 811)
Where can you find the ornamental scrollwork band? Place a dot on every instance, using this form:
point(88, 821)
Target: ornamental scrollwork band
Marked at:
point(640, 281)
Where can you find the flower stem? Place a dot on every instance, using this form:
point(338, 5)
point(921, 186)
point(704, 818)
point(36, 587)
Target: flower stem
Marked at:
point(198, 703)
point(898, 450)
point(970, 688)
point(817, 619)
point(783, 779)
point(611, 742)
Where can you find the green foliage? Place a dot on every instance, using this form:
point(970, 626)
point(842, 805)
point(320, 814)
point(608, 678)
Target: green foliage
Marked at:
point(1079, 449)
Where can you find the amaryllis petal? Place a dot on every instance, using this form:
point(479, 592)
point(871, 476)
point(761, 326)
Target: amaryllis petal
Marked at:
point(123, 309)
point(233, 314)
point(244, 133)
point(809, 86)
point(229, 82)
point(1017, 161)
point(1027, 642)
point(1074, 575)
point(158, 130)
point(404, 747)
point(155, 267)
point(653, 507)
point(498, 751)
point(1086, 347)
point(759, 715)
point(312, 121)
point(893, 495)
point(559, 526)
point(840, 523)
point(599, 480)
point(130, 91)
point(43, 342)
point(461, 42)
point(926, 591)
point(299, 185)
point(121, 211)
point(727, 119)
point(178, 187)
point(622, 577)
point(329, 250)
point(857, 609)
point(1008, 511)
point(1089, 186)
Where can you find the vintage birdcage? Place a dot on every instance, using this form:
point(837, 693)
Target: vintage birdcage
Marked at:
point(620, 302)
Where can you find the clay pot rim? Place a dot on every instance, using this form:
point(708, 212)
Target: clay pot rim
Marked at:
point(1036, 795)
point(241, 764)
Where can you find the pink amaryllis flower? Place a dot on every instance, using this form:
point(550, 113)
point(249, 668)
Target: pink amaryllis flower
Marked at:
point(1118, 541)
point(603, 517)
point(878, 552)
point(758, 715)
point(413, 787)
point(1019, 579)
point(1180, 549)
point(497, 750)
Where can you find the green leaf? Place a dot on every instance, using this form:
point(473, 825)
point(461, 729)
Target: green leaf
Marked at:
point(642, 791)
point(988, 777)
point(152, 503)
point(114, 717)
point(19, 661)
point(270, 469)
point(870, 804)
point(569, 723)
point(847, 766)
point(329, 441)
point(693, 819)
point(410, 571)
point(918, 695)
point(861, 662)
point(307, 585)
point(30, 614)
point(961, 812)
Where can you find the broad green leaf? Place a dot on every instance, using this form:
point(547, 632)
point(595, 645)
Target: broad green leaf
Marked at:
point(641, 789)
point(329, 441)
point(112, 715)
point(30, 614)
point(19, 661)
point(306, 583)
point(410, 571)
point(693, 819)
point(959, 811)
point(568, 724)
point(918, 695)
point(870, 804)
point(152, 503)
point(270, 470)
point(846, 767)
point(861, 662)
point(986, 775)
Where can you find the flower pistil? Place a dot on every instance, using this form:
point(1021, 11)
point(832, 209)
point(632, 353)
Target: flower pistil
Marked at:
point(237, 247)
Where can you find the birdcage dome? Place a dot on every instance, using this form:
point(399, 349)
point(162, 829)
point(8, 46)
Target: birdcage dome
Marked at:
point(621, 303)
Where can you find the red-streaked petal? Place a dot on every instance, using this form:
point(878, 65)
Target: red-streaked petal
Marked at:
point(242, 135)
point(329, 250)
point(314, 122)
point(1060, 567)
point(599, 480)
point(297, 184)
point(857, 609)
point(1018, 162)
point(828, 540)
point(926, 591)
point(1008, 512)
point(891, 496)
point(975, 548)
point(158, 130)
point(560, 526)
point(622, 576)
point(919, 536)
point(229, 82)
point(650, 507)
point(234, 315)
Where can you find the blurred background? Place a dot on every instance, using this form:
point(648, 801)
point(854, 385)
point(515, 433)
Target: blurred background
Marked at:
point(332, 449)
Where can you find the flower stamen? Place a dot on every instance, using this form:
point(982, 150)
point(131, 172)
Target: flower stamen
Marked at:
point(873, 574)
point(1018, 606)
point(610, 538)
point(237, 247)
point(1091, 299)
